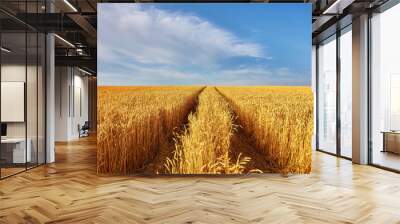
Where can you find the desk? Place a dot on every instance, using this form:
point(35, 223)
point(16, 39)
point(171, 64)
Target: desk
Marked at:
point(391, 141)
point(15, 148)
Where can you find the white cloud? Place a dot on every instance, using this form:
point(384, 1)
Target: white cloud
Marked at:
point(245, 75)
point(148, 46)
point(258, 75)
point(154, 36)
point(150, 77)
point(133, 74)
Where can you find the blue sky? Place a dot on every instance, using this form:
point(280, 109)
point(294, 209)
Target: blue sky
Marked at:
point(204, 44)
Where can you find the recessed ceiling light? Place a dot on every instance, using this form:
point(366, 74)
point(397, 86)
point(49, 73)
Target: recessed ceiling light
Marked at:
point(5, 50)
point(64, 40)
point(337, 7)
point(84, 71)
point(70, 5)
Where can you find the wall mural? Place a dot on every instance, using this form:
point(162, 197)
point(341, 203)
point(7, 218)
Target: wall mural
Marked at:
point(204, 88)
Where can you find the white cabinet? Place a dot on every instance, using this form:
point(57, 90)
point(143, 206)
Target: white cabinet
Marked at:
point(17, 145)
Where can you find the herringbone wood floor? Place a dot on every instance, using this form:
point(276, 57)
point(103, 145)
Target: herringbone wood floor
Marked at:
point(70, 191)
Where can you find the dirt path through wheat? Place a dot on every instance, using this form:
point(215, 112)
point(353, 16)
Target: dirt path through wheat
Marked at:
point(240, 145)
point(243, 146)
point(166, 149)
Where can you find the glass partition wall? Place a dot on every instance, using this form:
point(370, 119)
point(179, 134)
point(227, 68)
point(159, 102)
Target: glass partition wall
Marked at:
point(385, 89)
point(13, 89)
point(345, 62)
point(334, 90)
point(334, 84)
point(327, 95)
point(22, 77)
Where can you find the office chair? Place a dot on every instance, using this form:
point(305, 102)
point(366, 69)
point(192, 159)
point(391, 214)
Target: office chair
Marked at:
point(84, 130)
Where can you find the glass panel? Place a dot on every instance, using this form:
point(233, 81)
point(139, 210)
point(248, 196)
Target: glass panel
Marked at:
point(23, 90)
point(32, 88)
point(386, 89)
point(346, 92)
point(41, 99)
point(77, 110)
point(13, 88)
point(327, 95)
point(31, 100)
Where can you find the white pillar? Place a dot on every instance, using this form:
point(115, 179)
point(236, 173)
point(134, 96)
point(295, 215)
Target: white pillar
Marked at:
point(360, 89)
point(50, 93)
point(63, 99)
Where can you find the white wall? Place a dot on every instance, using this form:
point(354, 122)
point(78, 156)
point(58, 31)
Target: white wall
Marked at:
point(33, 127)
point(62, 83)
point(12, 73)
point(71, 87)
point(79, 117)
point(13, 101)
point(17, 73)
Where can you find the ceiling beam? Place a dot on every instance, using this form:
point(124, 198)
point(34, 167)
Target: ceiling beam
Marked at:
point(78, 61)
point(84, 24)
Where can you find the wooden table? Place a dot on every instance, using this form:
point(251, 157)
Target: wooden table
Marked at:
point(13, 150)
point(391, 141)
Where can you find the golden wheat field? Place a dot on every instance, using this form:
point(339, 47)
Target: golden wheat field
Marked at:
point(204, 130)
